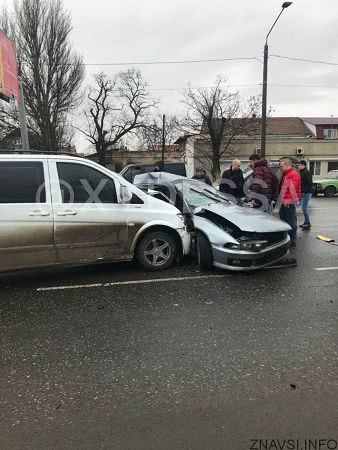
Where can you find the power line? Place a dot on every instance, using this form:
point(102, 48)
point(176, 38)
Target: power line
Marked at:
point(202, 61)
point(201, 87)
point(313, 61)
point(307, 86)
point(304, 86)
point(192, 61)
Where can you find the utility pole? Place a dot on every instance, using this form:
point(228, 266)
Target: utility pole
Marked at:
point(265, 82)
point(23, 119)
point(163, 140)
point(264, 100)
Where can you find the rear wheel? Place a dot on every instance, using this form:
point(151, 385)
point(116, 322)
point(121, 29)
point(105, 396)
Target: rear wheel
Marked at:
point(330, 191)
point(157, 251)
point(204, 252)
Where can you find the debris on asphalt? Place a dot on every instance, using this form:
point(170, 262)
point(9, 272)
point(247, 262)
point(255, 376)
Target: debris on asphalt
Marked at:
point(288, 262)
point(327, 239)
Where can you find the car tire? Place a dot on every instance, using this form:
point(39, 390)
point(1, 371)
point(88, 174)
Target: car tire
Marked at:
point(330, 191)
point(157, 251)
point(204, 252)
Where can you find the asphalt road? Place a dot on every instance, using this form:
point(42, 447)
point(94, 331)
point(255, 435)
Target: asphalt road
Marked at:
point(112, 357)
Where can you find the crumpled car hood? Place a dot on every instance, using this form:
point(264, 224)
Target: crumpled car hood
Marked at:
point(247, 219)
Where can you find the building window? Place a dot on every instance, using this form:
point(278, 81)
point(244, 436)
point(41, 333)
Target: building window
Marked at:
point(315, 167)
point(330, 133)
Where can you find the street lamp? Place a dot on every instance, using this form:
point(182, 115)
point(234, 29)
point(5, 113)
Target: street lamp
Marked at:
point(265, 81)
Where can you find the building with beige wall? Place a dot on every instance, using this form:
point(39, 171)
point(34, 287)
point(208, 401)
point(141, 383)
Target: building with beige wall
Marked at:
point(312, 139)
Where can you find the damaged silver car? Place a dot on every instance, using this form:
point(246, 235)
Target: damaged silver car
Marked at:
point(226, 235)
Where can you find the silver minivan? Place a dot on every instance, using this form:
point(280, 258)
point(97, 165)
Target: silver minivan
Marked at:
point(64, 210)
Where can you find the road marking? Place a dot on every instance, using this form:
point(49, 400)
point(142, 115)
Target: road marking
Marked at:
point(126, 283)
point(322, 209)
point(324, 225)
point(323, 269)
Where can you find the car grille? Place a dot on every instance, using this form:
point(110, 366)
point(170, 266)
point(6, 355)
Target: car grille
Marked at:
point(272, 238)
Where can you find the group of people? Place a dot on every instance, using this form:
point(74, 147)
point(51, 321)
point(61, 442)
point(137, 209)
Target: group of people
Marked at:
point(264, 189)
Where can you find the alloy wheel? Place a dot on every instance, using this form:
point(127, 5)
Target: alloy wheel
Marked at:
point(157, 252)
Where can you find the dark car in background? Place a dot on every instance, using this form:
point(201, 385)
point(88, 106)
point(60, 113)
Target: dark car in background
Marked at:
point(176, 168)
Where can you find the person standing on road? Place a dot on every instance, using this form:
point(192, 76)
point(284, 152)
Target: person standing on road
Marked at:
point(290, 195)
point(264, 183)
point(306, 180)
point(233, 180)
point(201, 175)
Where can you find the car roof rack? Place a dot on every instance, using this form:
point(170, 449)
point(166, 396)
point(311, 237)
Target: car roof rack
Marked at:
point(20, 151)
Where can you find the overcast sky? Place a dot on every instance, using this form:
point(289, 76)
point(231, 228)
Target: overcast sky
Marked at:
point(112, 31)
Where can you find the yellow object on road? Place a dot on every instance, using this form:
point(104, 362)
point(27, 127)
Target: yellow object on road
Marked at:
point(324, 238)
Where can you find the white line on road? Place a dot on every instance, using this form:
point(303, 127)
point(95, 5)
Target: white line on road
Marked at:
point(319, 209)
point(126, 283)
point(323, 269)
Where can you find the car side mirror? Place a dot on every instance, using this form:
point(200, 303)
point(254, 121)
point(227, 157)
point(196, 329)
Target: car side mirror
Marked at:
point(125, 194)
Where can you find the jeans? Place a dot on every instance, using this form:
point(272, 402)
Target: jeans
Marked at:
point(289, 215)
point(305, 201)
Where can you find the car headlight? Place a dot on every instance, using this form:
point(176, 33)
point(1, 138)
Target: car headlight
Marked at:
point(253, 245)
point(233, 246)
point(181, 217)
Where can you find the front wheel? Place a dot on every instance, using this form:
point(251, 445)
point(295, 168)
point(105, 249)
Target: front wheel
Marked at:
point(204, 252)
point(330, 191)
point(157, 251)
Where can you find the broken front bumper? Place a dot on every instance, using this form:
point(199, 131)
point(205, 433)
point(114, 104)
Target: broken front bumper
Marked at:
point(240, 260)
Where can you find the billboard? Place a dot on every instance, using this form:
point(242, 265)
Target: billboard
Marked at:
point(9, 85)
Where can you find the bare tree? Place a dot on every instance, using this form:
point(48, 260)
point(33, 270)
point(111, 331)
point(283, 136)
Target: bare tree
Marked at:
point(51, 72)
point(116, 107)
point(151, 136)
point(222, 117)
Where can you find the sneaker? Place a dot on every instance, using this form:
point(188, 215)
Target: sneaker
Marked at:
point(306, 226)
point(293, 244)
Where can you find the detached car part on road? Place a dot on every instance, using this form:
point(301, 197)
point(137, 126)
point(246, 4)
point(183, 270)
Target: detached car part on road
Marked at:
point(61, 210)
point(227, 236)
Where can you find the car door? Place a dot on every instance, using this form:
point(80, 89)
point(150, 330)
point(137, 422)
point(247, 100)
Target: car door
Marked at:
point(90, 224)
point(26, 216)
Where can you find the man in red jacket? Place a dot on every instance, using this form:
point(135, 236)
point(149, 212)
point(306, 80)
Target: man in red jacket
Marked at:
point(290, 195)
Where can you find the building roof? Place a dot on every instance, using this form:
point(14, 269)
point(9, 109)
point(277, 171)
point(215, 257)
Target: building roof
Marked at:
point(276, 126)
point(321, 120)
point(287, 126)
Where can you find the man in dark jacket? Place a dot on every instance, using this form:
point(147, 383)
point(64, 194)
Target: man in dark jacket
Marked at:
point(306, 180)
point(201, 175)
point(264, 184)
point(232, 181)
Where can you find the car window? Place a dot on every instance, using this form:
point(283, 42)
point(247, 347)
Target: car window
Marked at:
point(127, 175)
point(22, 182)
point(83, 184)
